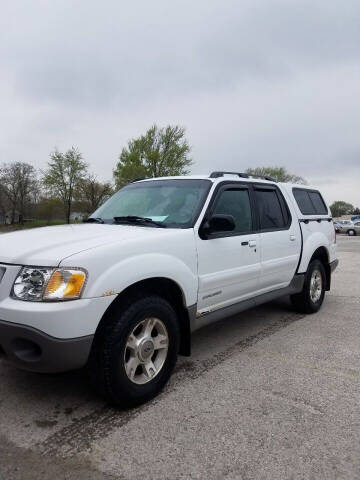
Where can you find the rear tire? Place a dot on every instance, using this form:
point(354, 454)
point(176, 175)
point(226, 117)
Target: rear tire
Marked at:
point(311, 298)
point(135, 351)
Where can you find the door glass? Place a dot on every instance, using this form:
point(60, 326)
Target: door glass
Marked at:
point(236, 203)
point(271, 216)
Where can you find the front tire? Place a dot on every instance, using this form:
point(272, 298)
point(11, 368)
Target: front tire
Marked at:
point(311, 298)
point(351, 232)
point(135, 351)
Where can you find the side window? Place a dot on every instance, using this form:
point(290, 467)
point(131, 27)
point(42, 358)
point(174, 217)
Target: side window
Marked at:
point(304, 203)
point(318, 203)
point(310, 202)
point(236, 202)
point(270, 211)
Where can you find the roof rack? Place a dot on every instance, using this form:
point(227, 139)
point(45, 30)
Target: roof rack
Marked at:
point(242, 175)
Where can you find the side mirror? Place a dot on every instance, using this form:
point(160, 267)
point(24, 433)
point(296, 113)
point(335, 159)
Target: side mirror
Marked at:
point(219, 223)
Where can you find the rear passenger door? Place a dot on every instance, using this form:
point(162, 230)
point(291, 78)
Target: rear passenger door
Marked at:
point(229, 262)
point(280, 238)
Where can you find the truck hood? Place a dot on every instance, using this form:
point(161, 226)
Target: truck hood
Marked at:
point(48, 246)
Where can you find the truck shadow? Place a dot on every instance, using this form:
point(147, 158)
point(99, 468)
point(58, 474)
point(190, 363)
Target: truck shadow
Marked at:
point(71, 415)
point(64, 415)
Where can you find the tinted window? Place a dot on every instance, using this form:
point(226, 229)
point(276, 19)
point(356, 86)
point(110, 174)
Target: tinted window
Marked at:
point(303, 200)
point(270, 211)
point(310, 202)
point(318, 203)
point(237, 204)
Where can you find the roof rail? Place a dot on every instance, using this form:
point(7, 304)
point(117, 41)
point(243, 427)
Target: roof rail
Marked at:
point(242, 175)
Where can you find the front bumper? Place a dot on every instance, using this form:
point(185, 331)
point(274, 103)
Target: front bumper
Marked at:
point(30, 349)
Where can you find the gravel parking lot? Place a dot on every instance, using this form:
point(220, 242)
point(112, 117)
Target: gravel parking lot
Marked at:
point(268, 394)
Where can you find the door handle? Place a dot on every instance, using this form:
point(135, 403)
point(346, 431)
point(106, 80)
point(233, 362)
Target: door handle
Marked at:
point(244, 243)
point(292, 238)
point(252, 243)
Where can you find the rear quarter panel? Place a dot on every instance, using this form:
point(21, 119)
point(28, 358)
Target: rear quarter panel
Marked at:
point(317, 232)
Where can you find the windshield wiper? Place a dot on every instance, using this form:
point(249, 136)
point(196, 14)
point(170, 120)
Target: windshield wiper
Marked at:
point(93, 220)
point(140, 220)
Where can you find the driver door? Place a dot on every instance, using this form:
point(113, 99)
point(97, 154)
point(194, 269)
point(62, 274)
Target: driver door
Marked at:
point(229, 262)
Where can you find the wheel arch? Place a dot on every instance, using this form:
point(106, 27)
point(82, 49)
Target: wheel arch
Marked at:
point(322, 254)
point(165, 288)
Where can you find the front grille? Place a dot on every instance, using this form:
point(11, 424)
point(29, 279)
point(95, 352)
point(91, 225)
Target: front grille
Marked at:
point(2, 272)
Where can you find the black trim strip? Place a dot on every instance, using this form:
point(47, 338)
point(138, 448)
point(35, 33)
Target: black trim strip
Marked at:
point(39, 352)
point(301, 250)
point(333, 265)
point(319, 220)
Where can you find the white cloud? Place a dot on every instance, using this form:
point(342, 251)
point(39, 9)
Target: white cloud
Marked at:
point(255, 82)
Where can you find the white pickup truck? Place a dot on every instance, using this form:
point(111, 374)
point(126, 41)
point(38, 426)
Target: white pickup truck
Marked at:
point(161, 258)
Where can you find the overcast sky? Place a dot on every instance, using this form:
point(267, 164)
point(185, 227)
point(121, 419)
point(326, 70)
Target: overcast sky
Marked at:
point(254, 82)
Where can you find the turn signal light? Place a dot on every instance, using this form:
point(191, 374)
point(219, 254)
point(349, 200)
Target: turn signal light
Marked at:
point(65, 284)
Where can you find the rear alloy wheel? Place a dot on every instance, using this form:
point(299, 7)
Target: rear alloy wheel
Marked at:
point(311, 298)
point(351, 233)
point(316, 286)
point(135, 351)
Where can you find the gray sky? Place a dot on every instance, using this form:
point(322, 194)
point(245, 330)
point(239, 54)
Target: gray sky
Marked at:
point(254, 82)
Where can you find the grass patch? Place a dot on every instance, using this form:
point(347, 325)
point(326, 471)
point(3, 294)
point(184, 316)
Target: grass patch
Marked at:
point(32, 224)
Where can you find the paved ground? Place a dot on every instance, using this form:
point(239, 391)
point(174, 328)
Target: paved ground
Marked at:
point(270, 394)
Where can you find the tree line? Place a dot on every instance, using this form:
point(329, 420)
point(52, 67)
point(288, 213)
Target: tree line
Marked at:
point(67, 185)
point(26, 193)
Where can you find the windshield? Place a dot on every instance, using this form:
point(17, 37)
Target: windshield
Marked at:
point(173, 203)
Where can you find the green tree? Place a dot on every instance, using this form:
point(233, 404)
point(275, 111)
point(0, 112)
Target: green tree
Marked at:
point(356, 211)
point(4, 201)
point(49, 209)
point(159, 153)
point(278, 173)
point(61, 179)
point(340, 208)
point(91, 193)
point(19, 186)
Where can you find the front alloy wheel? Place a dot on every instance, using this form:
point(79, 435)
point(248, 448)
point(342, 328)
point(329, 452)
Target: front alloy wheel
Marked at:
point(135, 350)
point(146, 350)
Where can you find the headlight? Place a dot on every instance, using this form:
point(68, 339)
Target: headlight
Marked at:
point(38, 284)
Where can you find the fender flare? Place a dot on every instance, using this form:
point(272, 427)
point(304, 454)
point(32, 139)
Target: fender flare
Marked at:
point(143, 267)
